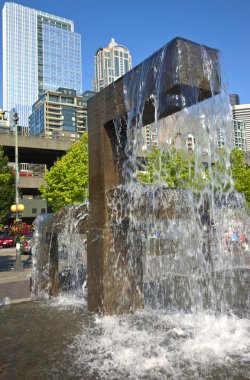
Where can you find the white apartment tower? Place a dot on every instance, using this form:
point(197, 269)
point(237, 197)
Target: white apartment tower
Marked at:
point(150, 136)
point(241, 113)
point(111, 63)
point(239, 135)
point(40, 52)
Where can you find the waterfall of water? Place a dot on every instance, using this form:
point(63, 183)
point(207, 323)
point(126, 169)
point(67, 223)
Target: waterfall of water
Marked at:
point(181, 222)
point(59, 252)
point(72, 249)
point(43, 243)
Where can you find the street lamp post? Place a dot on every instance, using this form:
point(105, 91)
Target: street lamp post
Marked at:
point(15, 119)
point(17, 207)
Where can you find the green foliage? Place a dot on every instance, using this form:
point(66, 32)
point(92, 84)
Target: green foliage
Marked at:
point(67, 180)
point(177, 168)
point(240, 173)
point(219, 174)
point(7, 187)
point(174, 167)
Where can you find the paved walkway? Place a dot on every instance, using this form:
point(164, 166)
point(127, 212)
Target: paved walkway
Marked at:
point(14, 285)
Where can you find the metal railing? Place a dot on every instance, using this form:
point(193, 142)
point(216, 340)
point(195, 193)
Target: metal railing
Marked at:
point(40, 136)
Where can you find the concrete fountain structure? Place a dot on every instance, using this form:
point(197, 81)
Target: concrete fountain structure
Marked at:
point(176, 73)
point(120, 267)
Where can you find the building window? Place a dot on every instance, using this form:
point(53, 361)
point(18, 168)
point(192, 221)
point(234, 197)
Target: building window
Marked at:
point(68, 100)
point(126, 66)
point(43, 210)
point(34, 211)
point(116, 67)
point(53, 98)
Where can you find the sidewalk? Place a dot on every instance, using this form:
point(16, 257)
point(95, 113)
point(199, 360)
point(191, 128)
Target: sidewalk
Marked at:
point(14, 286)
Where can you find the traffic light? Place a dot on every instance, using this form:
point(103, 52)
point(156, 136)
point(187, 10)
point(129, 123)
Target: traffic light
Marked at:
point(15, 117)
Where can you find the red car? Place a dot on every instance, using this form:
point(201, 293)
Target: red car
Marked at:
point(7, 241)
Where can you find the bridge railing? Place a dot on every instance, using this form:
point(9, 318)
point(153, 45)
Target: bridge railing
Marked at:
point(29, 169)
point(40, 136)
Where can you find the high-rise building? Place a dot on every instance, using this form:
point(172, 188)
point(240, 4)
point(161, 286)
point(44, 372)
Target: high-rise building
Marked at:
point(40, 51)
point(234, 99)
point(239, 135)
point(61, 113)
point(241, 112)
point(111, 63)
point(150, 136)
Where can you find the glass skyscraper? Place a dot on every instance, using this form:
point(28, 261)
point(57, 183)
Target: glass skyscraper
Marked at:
point(40, 52)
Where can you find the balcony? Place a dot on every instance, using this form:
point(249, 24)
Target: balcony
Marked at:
point(55, 117)
point(54, 112)
point(53, 107)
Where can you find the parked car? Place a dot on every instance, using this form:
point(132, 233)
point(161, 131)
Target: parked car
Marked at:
point(25, 245)
point(7, 241)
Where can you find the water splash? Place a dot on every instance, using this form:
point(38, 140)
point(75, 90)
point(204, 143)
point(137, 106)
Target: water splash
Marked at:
point(156, 345)
point(5, 301)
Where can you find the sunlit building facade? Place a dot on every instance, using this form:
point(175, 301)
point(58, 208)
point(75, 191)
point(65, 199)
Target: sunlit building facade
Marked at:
point(150, 136)
point(241, 112)
point(239, 135)
point(111, 63)
point(60, 114)
point(40, 51)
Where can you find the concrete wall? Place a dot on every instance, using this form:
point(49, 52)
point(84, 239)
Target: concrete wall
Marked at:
point(35, 142)
point(33, 207)
point(30, 182)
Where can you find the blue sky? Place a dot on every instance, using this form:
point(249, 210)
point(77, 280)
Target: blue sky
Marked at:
point(143, 26)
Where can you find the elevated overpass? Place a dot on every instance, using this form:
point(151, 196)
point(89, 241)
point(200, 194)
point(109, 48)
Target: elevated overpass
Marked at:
point(35, 149)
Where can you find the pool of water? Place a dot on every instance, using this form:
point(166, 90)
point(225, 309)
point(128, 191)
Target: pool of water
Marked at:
point(59, 339)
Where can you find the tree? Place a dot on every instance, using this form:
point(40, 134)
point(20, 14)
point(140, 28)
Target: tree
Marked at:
point(178, 169)
point(67, 180)
point(240, 173)
point(7, 187)
point(174, 167)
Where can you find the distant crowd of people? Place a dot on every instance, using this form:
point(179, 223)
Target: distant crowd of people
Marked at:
point(234, 236)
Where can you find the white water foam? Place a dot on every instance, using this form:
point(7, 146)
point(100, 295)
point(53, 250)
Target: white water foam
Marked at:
point(69, 300)
point(152, 346)
point(5, 301)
